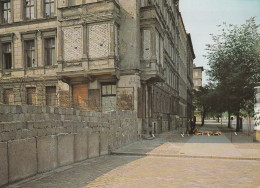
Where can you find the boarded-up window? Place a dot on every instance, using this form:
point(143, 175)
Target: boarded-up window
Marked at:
point(8, 96)
point(108, 97)
point(51, 96)
point(80, 96)
point(31, 96)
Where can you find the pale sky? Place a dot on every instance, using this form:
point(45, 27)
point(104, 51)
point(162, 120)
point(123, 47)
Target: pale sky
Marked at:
point(201, 18)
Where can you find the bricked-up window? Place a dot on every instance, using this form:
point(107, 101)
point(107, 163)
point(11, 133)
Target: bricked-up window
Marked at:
point(50, 51)
point(7, 55)
point(49, 8)
point(31, 96)
point(8, 96)
point(51, 96)
point(29, 53)
point(29, 9)
point(6, 11)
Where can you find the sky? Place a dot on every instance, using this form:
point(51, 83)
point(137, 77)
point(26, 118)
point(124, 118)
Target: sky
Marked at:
point(201, 18)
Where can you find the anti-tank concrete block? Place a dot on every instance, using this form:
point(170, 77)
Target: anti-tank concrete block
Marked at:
point(47, 153)
point(3, 164)
point(65, 149)
point(93, 145)
point(80, 146)
point(22, 156)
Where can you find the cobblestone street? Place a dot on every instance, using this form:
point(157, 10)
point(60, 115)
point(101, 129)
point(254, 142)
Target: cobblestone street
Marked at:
point(159, 163)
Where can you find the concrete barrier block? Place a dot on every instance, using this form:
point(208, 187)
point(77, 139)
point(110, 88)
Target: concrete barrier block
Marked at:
point(104, 144)
point(65, 149)
point(80, 147)
point(93, 145)
point(22, 159)
point(47, 149)
point(3, 164)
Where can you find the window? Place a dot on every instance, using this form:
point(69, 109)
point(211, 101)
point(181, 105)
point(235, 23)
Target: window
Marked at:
point(7, 55)
point(108, 90)
point(31, 96)
point(30, 53)
point(49, 8)
point(8, 96)
point(108, 97)
point(51, 96)
point(50, 51)
point(6, 11)
point(29, 9)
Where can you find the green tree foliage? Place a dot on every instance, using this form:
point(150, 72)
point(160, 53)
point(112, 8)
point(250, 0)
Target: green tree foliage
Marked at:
point(234, 60)
point(205, 100)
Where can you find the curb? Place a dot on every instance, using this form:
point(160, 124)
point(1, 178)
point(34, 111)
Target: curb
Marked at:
point(185, 156)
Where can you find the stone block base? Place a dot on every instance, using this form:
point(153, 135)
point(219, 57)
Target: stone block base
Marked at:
point(3, 164)
point(93, 146)
point(47, 153)
point(22, 159)
point(81, 147)
point(65, 149)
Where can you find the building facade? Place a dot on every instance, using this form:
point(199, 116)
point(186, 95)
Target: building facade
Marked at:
point(98, 55)
point(197, 76)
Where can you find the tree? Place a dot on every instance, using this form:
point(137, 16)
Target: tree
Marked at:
point(234, 59)
point(204, 100)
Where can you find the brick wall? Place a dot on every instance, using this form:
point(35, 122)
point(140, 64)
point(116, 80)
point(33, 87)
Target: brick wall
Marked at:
point(36, 139)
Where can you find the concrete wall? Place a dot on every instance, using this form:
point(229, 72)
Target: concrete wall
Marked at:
point(36, 139)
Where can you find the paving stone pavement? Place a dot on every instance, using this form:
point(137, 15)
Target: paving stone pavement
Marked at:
point(164, 170)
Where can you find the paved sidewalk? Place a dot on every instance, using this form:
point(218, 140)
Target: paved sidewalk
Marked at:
point(173, 144)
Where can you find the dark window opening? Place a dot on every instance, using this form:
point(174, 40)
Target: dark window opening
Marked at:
point(50, 51)
point(7, 56)
point(30, 53)
point(108, 89)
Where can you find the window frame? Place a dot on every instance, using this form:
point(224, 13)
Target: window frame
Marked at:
point(49, 5)
point(3, 55)
point(9, 18)
point(46, 49)
point(30, 8)
point(108, 84)
point(26, 51)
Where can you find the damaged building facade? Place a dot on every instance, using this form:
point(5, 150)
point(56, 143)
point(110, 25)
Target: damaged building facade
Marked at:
point(98, 55)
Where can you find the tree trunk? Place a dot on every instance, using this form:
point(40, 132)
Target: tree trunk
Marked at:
point(218, 119)
point(229, 120)
point(203, 118)
point(238, 120)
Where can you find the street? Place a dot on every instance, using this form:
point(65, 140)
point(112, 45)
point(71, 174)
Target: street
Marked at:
point(170, 160)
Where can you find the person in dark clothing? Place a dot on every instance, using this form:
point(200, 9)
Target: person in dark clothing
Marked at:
point(194, 120)
point(192, 126)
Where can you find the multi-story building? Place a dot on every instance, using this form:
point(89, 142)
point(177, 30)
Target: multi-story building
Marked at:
point(197, 76)
point(98, 55)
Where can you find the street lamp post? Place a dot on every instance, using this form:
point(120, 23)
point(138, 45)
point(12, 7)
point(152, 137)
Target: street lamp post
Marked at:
point(257, 113)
